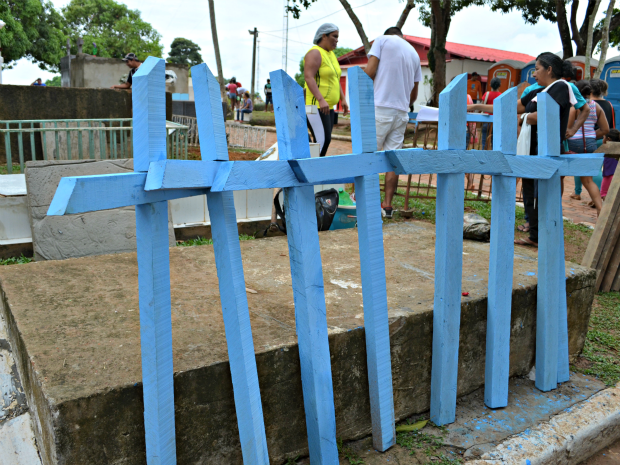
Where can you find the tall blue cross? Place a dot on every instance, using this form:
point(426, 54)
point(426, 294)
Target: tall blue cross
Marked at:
point(156, 180)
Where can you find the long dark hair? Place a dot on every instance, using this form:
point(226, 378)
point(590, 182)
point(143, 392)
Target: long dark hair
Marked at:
point(585, 89)
point(559, 67)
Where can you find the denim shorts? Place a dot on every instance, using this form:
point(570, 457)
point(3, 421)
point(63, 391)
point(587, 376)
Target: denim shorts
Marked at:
point(576, 145)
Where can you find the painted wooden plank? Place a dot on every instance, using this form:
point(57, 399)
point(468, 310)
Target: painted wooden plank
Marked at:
point(532, 167)
point(501, 257)
point(229, 265)
point(448, 257)
point(307, 277)
point(444, 161)
point(241, 355)
point(551, 331)
point(181, 174)
point(81, 194)
point(362, 101)
point(149, 113)
point(310, 170)
point(580, 166)
point(149, 145)
point(311, 324)
point(209, 114)
point(372, 262)
point(453, 115)
point(505, 123)
point(376, 324)
point(289, 109)
point(156, 332)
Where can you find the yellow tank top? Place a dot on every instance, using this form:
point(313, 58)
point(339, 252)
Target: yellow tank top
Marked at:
point(327, 78)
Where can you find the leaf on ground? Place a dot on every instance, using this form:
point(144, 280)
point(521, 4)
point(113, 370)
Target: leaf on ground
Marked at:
point(415, 427)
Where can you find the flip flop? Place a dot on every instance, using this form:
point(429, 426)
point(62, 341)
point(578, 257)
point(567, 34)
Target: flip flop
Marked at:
point(527, 242)
point(523, 228)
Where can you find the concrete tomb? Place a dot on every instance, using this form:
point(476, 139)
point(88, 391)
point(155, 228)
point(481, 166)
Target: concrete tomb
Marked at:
point(92, 233)
point(74, 325)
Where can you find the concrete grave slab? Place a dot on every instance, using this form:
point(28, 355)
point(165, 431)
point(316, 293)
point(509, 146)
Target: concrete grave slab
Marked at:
point(81, 368)
point(95, 233)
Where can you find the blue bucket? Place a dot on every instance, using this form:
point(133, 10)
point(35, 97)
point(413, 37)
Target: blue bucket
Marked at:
point(345, 217)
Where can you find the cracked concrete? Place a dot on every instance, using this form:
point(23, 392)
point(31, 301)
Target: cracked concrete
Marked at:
point(17, 442)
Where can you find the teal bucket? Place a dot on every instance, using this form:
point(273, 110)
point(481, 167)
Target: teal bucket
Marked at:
point(345, 217)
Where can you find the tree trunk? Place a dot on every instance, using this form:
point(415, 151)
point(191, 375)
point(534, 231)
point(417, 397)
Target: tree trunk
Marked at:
point(567, 46)
point(589, 39)
point(580, 44)
point(357, 24)
point(440, 24)
point(604, 39)
point(216, 48)
point(405, 14)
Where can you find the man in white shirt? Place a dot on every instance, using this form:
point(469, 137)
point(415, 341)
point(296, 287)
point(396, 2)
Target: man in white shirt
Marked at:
point(394, 66)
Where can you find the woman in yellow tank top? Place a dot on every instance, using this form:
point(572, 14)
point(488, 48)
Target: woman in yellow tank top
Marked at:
point(322, 74)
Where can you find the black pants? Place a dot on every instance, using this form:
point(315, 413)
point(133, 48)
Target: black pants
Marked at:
point(531, 206)
point(327, 124)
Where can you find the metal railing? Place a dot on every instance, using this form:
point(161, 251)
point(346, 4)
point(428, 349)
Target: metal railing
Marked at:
point(78, 139)
point(237, 135)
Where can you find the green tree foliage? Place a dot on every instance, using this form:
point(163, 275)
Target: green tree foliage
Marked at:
point(115, 29)
point(34, 30)
point(184, 52)
point(54, 82)
point(299, 77)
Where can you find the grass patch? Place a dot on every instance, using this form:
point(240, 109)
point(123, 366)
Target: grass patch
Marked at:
point(262, 118)
point(600, 352)
point(348, 454)
point(203, 241)
point(428, 444)
point(16, 260)
point(4, 169)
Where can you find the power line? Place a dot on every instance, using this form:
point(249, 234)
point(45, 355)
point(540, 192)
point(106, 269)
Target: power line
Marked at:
point(327, 16)
point(290, 40)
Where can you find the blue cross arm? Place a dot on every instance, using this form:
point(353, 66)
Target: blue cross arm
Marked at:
point(180, 174)
point(81, 194)
point(587, 164)
point(223, 176)
point(315, 170)
point(415, 161)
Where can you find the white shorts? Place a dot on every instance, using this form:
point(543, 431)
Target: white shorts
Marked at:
point(391, 125)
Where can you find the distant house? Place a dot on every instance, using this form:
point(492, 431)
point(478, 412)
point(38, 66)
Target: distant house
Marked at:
point(460, 58)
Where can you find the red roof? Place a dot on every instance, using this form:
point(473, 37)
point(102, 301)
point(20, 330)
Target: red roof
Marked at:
point(474, 52)
point(454, 50)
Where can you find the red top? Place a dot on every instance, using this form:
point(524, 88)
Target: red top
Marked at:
point(232, 88)
point(491, 96)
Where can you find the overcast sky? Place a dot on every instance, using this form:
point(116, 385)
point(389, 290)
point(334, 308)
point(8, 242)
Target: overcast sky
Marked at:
point(190, 19)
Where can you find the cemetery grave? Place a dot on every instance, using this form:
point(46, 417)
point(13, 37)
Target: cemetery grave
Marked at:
point(156, 180)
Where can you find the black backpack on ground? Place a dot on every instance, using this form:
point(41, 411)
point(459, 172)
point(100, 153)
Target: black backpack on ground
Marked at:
point(326, 203)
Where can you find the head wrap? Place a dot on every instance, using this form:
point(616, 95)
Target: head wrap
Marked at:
point(326, 28)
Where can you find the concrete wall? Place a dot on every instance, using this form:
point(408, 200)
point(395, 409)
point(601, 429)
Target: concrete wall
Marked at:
point(91, 71)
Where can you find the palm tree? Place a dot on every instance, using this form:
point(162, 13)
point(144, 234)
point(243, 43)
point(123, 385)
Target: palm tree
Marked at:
point(216, 47)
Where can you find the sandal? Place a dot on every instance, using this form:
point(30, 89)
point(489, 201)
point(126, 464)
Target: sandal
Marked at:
point(575, 196)
point(524, 227)
point(527, 242)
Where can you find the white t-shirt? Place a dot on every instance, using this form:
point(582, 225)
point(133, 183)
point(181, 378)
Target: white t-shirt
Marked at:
point(399, 68)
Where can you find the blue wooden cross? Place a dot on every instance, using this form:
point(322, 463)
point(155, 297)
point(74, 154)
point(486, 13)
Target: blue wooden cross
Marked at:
point(157, 180)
